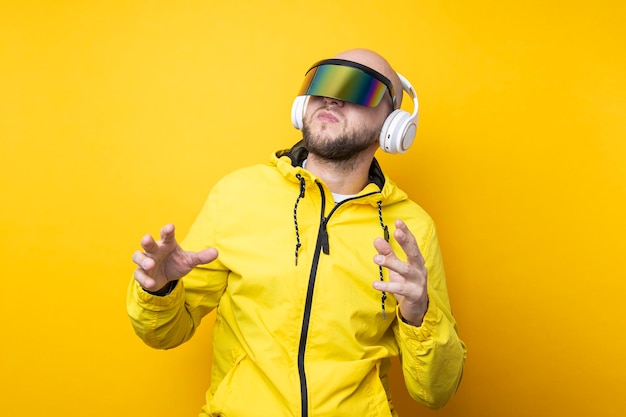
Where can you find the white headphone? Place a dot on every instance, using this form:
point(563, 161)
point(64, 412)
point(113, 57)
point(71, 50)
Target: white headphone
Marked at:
point(398, 132)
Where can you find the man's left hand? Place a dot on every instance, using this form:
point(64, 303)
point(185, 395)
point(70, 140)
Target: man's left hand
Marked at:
point(407, 280)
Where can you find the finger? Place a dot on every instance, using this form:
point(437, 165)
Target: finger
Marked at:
point(396, 288)
point(204, 256)
point(407, 242)
point(143, 261)
point(143, 279)
point(386, 257)
point(383, 247)
point(167, 233)
point(394, 264)
point(148, 244)
point(402, 288)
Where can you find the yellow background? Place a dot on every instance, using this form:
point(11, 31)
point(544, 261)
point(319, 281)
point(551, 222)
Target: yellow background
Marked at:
point(117, 117)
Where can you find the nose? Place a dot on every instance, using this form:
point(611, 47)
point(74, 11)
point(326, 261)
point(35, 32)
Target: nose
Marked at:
point(331, 100)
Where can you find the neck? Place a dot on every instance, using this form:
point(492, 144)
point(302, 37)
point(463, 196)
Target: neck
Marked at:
point(342, 177)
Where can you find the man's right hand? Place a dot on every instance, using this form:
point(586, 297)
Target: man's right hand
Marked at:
point(165, 261)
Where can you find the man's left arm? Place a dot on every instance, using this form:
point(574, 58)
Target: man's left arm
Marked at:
point(432, 353)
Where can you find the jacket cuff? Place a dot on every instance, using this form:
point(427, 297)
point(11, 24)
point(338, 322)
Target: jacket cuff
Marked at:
point(169, 287)
point(153, 302)
point(426, 329)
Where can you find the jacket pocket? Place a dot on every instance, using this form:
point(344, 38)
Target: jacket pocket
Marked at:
point(377, 395)
point(246, 390)
point(223, 394)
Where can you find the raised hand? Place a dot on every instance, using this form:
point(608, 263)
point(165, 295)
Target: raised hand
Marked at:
point(165, 260)
point(407, 280)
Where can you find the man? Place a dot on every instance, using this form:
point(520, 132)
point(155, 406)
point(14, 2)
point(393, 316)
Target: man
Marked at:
point(304, 323)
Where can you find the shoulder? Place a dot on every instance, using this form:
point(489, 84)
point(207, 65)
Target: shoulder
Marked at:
point(417, 219)
point(254, 175)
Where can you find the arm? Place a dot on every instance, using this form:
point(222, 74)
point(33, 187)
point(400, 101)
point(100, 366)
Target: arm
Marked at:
point(167, 320)
point(432, 353)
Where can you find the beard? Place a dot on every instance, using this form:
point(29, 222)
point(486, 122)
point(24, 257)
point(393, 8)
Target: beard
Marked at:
point(342, 148)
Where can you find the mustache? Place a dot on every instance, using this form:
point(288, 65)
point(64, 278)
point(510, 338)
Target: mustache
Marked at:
point(331, 109)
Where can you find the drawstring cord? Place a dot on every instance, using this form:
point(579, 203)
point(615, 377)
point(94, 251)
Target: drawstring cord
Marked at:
point(295, 214)
point(380, 268)
point(385, 228)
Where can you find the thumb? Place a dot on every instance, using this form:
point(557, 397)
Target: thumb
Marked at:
point(203, 257)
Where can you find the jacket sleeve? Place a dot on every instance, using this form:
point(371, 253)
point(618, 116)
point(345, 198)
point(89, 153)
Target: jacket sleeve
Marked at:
point(432, 355)
point(168, 321)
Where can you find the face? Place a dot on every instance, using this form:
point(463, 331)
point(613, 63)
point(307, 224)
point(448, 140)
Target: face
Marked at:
point(338, 131)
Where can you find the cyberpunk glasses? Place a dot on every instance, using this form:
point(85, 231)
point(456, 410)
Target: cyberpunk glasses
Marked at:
point(347, 81)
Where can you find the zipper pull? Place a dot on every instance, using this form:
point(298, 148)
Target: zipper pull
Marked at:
point(324, 237)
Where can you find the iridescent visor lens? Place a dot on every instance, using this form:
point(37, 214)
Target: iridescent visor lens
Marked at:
point(346, 81)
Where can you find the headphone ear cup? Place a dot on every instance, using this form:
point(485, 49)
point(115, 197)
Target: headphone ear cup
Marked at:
point(298, 109)
point(398, 132)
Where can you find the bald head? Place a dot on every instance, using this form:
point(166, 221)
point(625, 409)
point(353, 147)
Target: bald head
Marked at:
point(376, 62)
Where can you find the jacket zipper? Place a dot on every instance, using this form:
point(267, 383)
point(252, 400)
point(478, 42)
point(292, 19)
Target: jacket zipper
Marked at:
point(322, 238)
point(321, 245)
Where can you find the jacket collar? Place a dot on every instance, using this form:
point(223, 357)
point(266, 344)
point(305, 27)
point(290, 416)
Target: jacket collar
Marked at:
point(289, 163)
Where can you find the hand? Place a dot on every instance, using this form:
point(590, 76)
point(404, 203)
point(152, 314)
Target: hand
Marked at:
point(407, 280)
point(165, 260)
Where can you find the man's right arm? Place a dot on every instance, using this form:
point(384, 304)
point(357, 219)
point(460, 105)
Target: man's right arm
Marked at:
point(165, 309)
point(164, 322)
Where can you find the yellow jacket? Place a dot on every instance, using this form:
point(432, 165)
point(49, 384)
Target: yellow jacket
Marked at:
point(299, 328)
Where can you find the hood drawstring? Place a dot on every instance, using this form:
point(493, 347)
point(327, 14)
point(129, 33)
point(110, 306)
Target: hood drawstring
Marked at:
point(295, 214)
point(385, 228)
point(380, 268)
